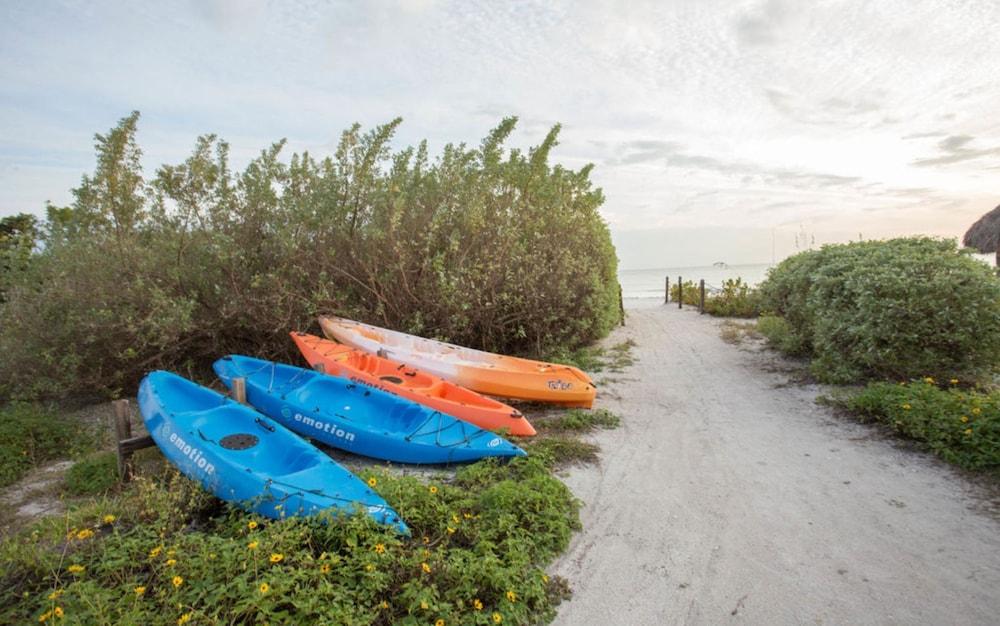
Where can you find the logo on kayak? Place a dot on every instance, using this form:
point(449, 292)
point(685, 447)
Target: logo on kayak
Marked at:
point(286, 412)
point(361, 381)
point(494, 442)
point(192, 453)
point(322, 426)
point(559, 385)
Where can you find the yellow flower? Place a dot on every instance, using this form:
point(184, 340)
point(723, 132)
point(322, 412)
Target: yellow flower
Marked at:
point(439, 622)
point(976, 410)
point(427, 540)
point(477, 604)
point(512, 596)
point(171, 552)
point(58, 612)
point(252, 524)
point(383, 605)
point(467, 515)
point(75, 569)
point(423, 604)
point(44, 616)
point(968, 431)
point(379, 548)
point(264, 587)
point(906, 407)
point(497, 618)
point(433, 489)
point(155, 552)
point(451, 531)
point(369, 567)
point(253, 545)
point(426, 568)
point(454, 518)
point(55, 594)
point(372, 482)
point(953, 381)
point(140, 590)
point(171, 562)
point(277, 558)
point(929, 380)
point(184, 619)
point(545, 579)
point(177, 581)
point(86, 533)
point(109, 519)
point(964, 419)
point(325, 568)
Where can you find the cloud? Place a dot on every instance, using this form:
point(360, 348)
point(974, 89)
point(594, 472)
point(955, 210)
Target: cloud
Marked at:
point(760, 26)
point(955, 150)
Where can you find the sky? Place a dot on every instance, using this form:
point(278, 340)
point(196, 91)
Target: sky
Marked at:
point(719, 129)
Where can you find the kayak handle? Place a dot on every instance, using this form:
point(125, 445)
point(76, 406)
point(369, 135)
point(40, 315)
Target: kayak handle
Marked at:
point(264, 425)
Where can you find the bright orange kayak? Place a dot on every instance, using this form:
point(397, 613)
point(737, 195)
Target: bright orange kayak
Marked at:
point(485, 372)
point(439, 394)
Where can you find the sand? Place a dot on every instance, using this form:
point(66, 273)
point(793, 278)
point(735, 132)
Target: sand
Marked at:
point(730, 496)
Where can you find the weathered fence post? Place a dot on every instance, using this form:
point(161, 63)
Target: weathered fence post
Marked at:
point(666, 289)
point(240, 390)
point(126, 444)
point(621, 304)
point(701, 306)
point(680, 292)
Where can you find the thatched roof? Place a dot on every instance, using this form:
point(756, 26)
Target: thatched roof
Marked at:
point(984, 235)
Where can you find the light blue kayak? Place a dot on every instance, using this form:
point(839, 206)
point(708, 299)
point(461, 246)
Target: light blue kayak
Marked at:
point(358, 418)
point(243, 457)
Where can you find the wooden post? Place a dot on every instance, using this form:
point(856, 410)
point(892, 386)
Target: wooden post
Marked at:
point(621, 305)
point(666, 289)
point(240, 390)
point(123, 431)
point(701, 306)
point(680, 292)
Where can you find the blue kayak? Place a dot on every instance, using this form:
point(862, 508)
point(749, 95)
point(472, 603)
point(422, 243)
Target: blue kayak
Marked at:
point(357, 418)
point(243, 457)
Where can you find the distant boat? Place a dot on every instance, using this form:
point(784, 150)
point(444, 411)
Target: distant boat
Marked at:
point(719, 264)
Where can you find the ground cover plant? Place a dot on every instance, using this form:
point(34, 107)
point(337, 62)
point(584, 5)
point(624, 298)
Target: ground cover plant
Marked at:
point(890, 310)
point(30, 435)
point(165, 552)
point(960, 425)
point(734, 298)
point(482, 246)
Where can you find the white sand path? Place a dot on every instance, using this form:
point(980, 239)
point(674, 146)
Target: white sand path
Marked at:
point(724, 498)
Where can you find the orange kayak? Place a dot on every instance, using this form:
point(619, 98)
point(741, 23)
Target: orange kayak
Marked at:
point(485, 372)
point(439, 394)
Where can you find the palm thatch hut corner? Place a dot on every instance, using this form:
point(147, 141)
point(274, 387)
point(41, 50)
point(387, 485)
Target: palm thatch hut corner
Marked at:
point(984, 235)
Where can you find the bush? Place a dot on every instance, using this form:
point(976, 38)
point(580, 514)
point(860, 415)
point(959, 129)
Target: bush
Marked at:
point(961, 426)
point(893, 310)
point(691, 292)
point(29, 436)
point(779, 334)
point(735, 299)
point(94, 474)
point(165, 550)
point(484, 247)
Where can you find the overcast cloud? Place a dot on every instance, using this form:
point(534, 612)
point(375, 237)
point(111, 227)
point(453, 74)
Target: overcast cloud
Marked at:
point(838, 118)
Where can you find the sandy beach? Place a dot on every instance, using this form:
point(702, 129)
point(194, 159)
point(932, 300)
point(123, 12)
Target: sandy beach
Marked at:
point(729, 495)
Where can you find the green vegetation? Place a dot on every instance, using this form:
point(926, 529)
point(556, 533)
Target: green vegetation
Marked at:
point(581, 421)
point(165, 549)
point(594, 359)
point(961, 426)
point(890, 310)
point(31, 435)
point(93, 474)
point(779, 334)
point(482, 246)
point(735, 299)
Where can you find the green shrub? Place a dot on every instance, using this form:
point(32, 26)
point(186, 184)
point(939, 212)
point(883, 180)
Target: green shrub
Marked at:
point(779, 334)
point(29, 436)
point(93, 474)
point(581, 421)
point(735, 299)
point(691, 292)
point(961, 426)
point(485, 247)
point(893, 310)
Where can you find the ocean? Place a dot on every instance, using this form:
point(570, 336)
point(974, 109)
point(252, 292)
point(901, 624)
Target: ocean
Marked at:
point(648, 283)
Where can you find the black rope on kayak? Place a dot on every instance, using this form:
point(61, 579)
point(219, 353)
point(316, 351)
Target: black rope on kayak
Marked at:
point(466, 438)
point(299, 491)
